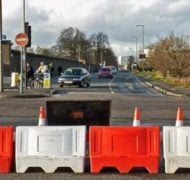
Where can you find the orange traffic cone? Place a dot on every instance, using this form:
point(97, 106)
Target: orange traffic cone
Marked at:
point(42, 117)
point(136, 120)
point(179, 117)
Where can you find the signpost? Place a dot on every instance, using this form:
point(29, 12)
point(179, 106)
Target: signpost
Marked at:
point(22, 40)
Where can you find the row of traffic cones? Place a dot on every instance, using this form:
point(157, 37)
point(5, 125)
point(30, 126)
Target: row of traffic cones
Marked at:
point(136, 119)
point(179, 117)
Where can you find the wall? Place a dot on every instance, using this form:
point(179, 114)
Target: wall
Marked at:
point(6, 46)
point(58, 63)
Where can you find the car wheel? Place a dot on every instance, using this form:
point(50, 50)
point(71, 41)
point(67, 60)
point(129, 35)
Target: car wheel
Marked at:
point(87, 85)
point(81, 84)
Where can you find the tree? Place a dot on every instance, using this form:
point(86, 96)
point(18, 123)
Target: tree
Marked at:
point(44, 51)
point(99, 42)
point(72, 42)
point(110, 58)
point(171, 54)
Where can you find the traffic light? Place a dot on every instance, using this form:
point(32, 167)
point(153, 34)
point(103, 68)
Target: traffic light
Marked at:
point(27, 29)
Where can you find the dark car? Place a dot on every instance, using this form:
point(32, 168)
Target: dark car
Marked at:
point(105, 72)
point(75, 76)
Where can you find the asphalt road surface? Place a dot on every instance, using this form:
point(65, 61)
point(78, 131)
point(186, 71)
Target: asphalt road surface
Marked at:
point(125, 92)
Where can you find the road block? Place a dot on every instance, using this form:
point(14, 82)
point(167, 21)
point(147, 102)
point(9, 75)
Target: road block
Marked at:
point(78, 112)
point(176, 148)
point(14, 79)
point(124, 148)
point(50, 147)
point(6, 148)
point(47, 80)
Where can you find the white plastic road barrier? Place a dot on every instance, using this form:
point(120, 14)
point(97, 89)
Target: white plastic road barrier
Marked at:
point(14, 79)
point(176, 144)
point(50, 147)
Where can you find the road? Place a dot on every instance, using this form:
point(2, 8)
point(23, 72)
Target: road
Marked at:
point(126, 92)
point(121, 83)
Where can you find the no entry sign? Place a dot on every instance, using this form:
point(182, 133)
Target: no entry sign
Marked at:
point(21, 39)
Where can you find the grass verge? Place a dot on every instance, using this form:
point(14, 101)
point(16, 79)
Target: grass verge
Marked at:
point(170, 81)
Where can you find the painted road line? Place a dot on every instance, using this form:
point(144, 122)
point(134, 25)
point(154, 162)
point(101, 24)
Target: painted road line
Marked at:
point(110, 88)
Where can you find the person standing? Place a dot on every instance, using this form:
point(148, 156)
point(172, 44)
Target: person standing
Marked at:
point(51, 69)
point(29, 72)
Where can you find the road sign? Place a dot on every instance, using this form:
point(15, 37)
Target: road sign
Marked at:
point(21, 39)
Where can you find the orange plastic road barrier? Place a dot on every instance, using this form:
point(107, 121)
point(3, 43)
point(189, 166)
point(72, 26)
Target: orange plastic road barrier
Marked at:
point(179, 117)
point(6, 148)
point(124, 148)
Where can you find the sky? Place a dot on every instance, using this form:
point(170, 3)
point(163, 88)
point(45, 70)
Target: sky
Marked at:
point(116, 18)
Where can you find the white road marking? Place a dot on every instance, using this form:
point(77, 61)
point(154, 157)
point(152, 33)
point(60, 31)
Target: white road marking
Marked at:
point(112, 92)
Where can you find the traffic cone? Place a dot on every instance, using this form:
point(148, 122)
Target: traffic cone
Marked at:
point(42, 117)
point(136, 120)
point(179, 117)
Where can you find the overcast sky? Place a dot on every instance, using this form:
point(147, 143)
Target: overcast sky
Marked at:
point(116, 18)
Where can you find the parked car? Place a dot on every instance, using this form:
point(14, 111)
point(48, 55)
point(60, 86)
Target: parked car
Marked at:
point(75, 76)
point(105, 72)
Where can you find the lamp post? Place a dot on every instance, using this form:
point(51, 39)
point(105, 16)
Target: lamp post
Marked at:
point(79, 53)
point(101, 58)
point(131, 59)
point(1, 59)
point(142, 26)
point(22, 54)
point(136, 40)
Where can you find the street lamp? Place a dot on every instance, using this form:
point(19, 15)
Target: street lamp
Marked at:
point(79, 53)
point(101, 58)
point(136, 39)
point(141, 25)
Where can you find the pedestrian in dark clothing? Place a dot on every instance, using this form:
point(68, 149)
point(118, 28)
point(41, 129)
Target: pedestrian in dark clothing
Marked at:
point(29, 72)
point(51, 68)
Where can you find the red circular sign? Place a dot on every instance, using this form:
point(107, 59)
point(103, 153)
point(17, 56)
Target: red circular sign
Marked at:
point(21, 39)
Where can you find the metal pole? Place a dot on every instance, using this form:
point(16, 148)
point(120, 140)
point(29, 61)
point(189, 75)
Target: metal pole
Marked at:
point(24, 48)
point(21, 71)
point(79, 53)
point(136, 50)
point(22, 54)
point(93, 62)
point(136, 40)
point(101, 57)
point(1, 58)
point(143, 38)
point(141, 25)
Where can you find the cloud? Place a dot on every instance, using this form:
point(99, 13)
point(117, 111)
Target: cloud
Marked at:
point(117, 19)
point(42, 32)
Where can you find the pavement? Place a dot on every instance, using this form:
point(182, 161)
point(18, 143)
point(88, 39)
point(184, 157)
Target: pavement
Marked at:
point(27, 93)
point(166, 89)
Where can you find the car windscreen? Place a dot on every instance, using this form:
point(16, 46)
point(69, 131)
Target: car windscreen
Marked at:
point(73, 72)
point(105, 69)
